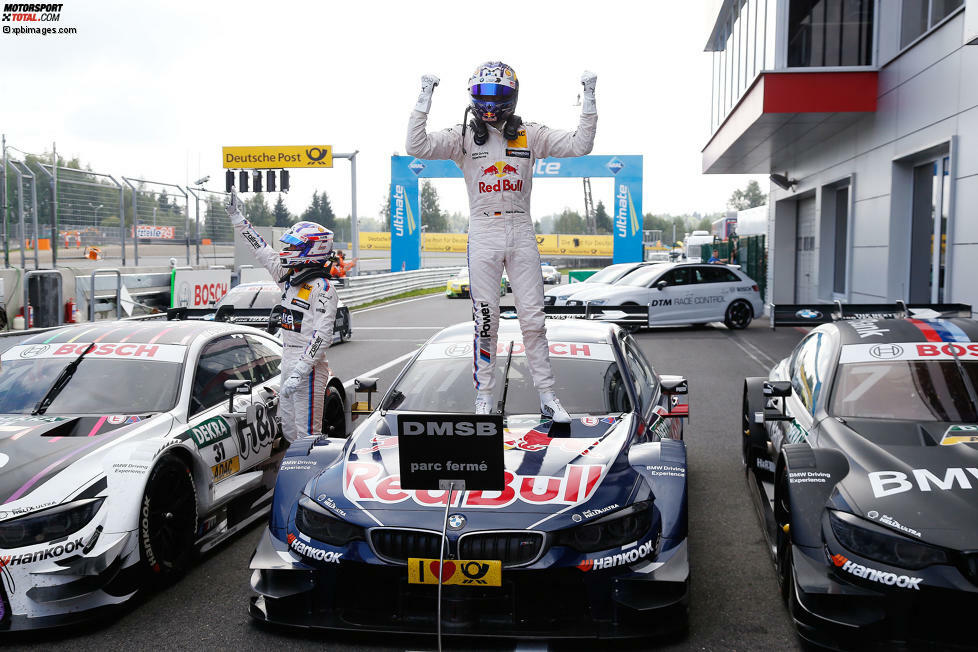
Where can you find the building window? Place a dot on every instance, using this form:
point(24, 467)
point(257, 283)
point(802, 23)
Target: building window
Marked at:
point(830, 33)
point(928, 253)
point(841, 240)
point(921, 15)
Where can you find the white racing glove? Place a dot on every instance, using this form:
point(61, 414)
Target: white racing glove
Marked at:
point(298, 376)
point(233, 208)
point(428, 83)
point(589, 80)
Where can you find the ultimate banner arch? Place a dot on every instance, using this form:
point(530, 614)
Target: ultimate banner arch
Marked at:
point(626, 170)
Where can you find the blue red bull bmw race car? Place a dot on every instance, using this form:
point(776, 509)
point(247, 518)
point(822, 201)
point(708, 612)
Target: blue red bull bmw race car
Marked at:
point(588, 538)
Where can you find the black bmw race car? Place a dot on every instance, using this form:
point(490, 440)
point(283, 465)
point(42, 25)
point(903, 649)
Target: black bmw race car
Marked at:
point(588, 536)
point(861, 451)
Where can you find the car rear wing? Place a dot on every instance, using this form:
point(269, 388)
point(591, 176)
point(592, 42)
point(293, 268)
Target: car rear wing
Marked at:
point(230, 314)
point(622, 315)
point(814, 314)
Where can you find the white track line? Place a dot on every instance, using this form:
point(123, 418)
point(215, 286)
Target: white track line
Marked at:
point(376, 370)
point(750, 354)
point(399, 328)
point(358, 311)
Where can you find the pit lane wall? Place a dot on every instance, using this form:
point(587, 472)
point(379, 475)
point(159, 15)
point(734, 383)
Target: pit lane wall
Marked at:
point(549, 245)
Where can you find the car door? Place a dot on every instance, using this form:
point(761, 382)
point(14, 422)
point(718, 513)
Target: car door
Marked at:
point(231, 442)
point(671, 304)
point(715, 289)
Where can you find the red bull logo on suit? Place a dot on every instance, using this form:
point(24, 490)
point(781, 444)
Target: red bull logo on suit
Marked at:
point(501, 169)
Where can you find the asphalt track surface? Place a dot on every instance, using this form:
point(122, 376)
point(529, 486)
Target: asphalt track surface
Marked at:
point(735, 604)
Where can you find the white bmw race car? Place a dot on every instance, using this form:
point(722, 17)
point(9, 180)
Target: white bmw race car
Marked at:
point(126, 448)
point(682, 294)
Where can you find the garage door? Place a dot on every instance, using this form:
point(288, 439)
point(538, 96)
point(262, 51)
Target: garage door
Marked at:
point(805, 252)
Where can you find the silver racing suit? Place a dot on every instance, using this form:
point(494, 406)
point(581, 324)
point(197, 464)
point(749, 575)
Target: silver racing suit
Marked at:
point(499, 176)
point(308, 314)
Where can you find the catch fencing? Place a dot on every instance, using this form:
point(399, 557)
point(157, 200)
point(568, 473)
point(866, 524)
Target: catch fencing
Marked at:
point(90, 206)
point(213, 235)
point(750, 252)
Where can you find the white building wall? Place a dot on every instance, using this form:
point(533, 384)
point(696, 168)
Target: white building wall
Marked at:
point(928, 97)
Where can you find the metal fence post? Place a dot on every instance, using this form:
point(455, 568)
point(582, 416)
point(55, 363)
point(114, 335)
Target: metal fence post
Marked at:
point(3, 200)
point(122, 219)
point(37, 229)
point(135, 220)
point(20, 211)
point(54, 205)
point(354, 225)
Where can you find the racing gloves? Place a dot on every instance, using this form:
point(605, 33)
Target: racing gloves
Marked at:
point(298, 376)
point(233, 207)
point(588, 80)
point(428, 83)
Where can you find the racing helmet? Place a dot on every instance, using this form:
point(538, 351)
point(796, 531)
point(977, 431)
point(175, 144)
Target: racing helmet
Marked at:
point(305, 243)
point(494, 89)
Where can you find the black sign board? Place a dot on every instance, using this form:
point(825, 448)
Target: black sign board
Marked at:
point(443, 447)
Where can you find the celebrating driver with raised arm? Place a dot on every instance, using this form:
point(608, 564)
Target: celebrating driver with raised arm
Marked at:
point(496, 152)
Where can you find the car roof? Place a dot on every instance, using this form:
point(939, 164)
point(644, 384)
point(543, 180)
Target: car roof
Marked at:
point(873, 331)
point(135, 332)
point(562, 330)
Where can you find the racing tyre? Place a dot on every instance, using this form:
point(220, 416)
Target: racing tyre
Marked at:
point(334, 413)
point(739, 315)
point(346, 335)
point(168, 520)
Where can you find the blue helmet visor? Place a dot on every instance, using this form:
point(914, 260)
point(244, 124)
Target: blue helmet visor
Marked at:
point(290, 239)
point(491, 92)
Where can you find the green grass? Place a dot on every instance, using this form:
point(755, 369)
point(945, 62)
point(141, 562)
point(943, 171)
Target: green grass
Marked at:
point(402, 295)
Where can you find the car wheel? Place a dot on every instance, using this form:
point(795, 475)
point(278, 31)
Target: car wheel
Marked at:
point(168, 519)
point(334, 413)
point(345, 335)
point(739, 315)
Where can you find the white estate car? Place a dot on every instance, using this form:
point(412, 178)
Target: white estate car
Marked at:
point(682, 293)
point(557, 296)
point(126, 447)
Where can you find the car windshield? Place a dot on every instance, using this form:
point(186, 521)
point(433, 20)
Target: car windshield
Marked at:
point(641, 277)
point(252, 297)
point(915, 390)
point(99, 386)
point(588, 380)
point(609, 274)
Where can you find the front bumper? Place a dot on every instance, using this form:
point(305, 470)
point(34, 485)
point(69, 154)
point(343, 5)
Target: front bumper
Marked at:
point(833, 612)
point(548, 603)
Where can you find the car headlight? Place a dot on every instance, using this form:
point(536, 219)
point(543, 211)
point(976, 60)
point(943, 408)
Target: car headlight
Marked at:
point(51, 524)
point(314, 520)
point(598, 302)
point(575, 302)
point(617, 529)
point(549, 300)
point(874, 542)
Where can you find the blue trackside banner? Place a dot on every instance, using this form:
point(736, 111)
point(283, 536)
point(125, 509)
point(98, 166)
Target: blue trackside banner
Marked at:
point(625, 170)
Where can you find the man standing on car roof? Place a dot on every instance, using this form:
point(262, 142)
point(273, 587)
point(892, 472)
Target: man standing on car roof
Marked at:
point(308, 313)
point(496, 152)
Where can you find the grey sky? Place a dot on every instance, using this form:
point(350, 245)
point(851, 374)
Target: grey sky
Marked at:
point(155, 89)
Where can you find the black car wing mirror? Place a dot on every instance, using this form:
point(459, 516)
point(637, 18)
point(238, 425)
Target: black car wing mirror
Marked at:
point(366, 386)
point(234, 387)
point(775, 392)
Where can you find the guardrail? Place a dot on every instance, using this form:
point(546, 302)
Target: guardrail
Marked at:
point(364, 289)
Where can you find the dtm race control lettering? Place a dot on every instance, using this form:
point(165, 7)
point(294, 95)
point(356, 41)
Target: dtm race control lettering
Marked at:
point(618, 559)
point(304, 549)
point(364, 481)
point(888, 483)
point(874, 575)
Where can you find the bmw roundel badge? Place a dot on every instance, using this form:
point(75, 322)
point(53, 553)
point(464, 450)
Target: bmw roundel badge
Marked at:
point(456, 521)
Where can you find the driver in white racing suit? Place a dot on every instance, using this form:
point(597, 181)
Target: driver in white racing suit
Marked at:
point(308, 313)
point(496, 152)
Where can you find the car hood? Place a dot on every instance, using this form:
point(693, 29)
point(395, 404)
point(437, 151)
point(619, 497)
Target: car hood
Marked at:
point(34, 449)
point(573, 288)
point(918, 478)
point(608, 292)
point(544, 476)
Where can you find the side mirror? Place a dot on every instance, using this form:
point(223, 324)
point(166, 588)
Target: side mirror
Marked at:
point(367, 386)
point(661, 284)
point(224, 313)
point(274, 320)
point(777, 388)
point(235, 387)
point(674, 387)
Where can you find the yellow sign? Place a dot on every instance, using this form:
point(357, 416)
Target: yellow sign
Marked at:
point(451, 242)
point(548, 244)
point(586, 245)
point(285, 156)
point(225, 469)
point(375, 240)
point(465, 572)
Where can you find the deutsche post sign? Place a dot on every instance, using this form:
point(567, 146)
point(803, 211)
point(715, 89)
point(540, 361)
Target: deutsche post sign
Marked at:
point(285, 156)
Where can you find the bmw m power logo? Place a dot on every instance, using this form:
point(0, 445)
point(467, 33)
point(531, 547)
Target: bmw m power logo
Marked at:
point(808, 313)
point(456, 521)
